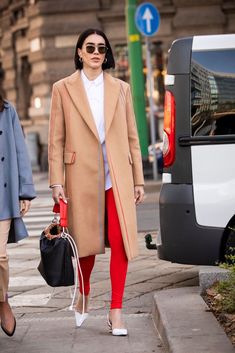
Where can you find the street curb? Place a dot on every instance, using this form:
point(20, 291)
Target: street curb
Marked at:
point(208, 275)
point(185, 323)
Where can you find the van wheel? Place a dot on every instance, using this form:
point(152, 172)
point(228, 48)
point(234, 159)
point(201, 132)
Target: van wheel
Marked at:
point(229, 253)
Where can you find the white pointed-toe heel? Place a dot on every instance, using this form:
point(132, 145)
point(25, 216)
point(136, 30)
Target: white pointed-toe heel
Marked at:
point(119, 332)
point(80, 318)
point(116, 331)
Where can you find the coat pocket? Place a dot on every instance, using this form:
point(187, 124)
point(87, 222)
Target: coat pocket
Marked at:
point(130, 158)
point(69, 157)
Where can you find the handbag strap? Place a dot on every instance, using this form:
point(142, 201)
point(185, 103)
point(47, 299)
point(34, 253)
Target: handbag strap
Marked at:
point(78, 269)
point(62, 208)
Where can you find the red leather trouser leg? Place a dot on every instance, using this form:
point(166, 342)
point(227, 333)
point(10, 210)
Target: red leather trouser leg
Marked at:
point(118, 261)
point(87, 264)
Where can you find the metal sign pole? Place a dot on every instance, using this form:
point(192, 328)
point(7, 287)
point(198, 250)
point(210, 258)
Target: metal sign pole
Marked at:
point(151, 107)
point(147, 20)
point(137, 77)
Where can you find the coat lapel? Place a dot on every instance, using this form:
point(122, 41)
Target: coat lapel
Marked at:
point(111, 94)
point(78, 95)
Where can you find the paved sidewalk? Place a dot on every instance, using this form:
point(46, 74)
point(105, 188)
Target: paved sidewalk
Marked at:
point(56, 333)
point(44, 323)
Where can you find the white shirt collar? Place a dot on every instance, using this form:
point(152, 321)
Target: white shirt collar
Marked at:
point(99, 79)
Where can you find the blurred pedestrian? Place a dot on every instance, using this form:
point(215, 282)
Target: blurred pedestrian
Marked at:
point(16, 191)
point(93, 140)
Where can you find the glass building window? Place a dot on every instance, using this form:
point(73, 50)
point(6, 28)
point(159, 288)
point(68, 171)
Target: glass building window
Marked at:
point(213, 93)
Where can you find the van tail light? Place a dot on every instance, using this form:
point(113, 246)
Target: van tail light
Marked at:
point(169, 130)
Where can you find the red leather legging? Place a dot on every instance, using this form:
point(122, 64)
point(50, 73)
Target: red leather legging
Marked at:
point(118, 261)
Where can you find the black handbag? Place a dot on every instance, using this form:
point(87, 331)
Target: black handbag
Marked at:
point(56, 264)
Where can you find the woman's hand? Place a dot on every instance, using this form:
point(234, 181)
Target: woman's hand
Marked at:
point(139, 194)
point(57, 193)
point(24, 207)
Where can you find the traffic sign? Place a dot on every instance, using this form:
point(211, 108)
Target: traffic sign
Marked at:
point(147, 19)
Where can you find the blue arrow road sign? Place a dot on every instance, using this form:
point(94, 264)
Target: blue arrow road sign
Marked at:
point(147, 19)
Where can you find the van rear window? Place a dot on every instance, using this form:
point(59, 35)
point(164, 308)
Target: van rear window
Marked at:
point(213, 92)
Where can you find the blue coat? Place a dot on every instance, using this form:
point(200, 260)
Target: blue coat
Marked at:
point(16, 182)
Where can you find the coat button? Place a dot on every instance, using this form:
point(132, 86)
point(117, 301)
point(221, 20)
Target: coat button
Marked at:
point(2, 159)
point(5, 185)
point(0, 132)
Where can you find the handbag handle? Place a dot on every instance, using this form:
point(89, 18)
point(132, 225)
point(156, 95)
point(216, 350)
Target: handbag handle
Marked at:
point(62, 209)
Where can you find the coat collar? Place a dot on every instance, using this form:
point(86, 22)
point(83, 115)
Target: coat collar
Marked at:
point(78, 95)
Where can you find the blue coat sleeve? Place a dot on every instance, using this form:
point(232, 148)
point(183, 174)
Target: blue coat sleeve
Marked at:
point(26, 187)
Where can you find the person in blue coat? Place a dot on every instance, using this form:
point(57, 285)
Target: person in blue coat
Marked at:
point(16, 192)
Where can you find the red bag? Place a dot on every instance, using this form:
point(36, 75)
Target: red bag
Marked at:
point(62, 209)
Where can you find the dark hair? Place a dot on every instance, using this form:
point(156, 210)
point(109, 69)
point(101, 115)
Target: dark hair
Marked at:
point(2, 102)
point(110, 63)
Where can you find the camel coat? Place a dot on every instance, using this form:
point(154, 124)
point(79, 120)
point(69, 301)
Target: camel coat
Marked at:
point(76, 161)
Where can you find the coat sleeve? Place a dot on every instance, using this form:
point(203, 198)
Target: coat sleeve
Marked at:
point(26, 187)
point(56, 139)
point(134, 145)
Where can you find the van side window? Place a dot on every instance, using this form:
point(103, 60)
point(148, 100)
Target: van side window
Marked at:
point(213, 92)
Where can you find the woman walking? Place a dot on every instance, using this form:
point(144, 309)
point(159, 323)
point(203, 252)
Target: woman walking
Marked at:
point(16, 191)
point(95, 161)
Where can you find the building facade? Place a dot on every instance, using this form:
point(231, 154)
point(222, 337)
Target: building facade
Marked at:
point(38, 37)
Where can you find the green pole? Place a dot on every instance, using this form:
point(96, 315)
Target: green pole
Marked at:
point(137, 77)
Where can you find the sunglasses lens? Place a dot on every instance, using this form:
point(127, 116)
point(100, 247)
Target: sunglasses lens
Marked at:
point(90, 49)
point(102, 50)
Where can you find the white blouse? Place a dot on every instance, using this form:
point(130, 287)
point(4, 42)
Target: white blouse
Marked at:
point(95, 94)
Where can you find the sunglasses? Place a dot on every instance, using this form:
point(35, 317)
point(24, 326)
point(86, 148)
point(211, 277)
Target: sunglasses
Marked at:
point(90, 49)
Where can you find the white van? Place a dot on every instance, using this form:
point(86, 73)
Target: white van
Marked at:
point(197, 198)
